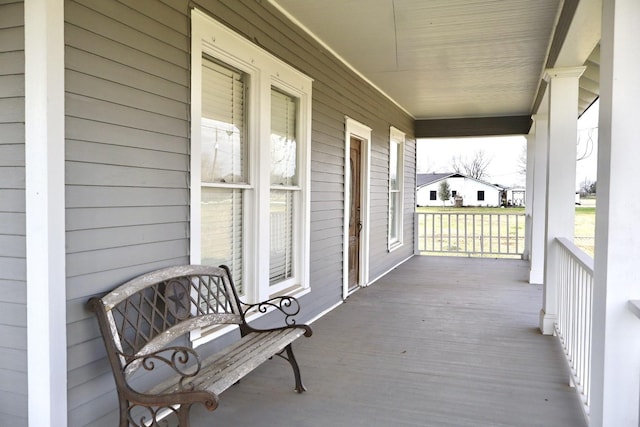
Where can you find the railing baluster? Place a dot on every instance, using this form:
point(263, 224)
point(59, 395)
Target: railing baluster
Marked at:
point(508, 232)
point(574, 325)
point(449, 231)
point(483, 234)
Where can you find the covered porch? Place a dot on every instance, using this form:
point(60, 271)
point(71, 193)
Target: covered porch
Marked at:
point(439, 341)
point(99, 105)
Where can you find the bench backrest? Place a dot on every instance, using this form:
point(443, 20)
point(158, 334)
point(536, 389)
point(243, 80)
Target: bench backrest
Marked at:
point(147, 313)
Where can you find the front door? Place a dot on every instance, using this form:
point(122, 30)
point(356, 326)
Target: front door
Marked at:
point(355, 221)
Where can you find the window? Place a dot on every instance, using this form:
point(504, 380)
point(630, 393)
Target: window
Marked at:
point(223, 166)
point(433, 195)
point(396, 172)
point(480, 195)
point(453, 193)
point(250, 162)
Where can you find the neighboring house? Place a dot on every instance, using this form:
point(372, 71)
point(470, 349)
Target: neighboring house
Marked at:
point(474, 192)
point(159, 108)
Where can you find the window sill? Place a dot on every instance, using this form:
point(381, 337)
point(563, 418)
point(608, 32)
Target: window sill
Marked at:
point(395, 246)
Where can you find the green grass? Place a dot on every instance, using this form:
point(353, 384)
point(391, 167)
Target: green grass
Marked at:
point(585, 229)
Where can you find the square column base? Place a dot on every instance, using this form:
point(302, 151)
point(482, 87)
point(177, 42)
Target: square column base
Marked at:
point(536, 276)
point(547, 323)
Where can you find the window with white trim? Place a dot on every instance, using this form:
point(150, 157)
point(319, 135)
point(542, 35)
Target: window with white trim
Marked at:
point(396, 187)
point(250, 162)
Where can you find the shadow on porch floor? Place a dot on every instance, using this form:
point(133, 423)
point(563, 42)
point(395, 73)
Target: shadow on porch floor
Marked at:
point(437, 342)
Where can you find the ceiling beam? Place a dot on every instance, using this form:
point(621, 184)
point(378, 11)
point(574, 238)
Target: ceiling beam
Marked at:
point(562, 28)
point(476, 126)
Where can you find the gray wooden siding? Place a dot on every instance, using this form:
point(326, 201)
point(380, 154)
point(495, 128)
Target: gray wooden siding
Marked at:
point(127, 198)
point(127, 82)
point(13, 292)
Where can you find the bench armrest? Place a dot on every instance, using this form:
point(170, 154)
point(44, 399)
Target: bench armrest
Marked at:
point(288, 306)
point(184, 361)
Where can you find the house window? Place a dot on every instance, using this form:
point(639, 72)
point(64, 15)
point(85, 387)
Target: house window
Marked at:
point(396, 172)
point(223, 166)
point(433, 195)
point(480, 195)
point(453, 193)
point(250, 162)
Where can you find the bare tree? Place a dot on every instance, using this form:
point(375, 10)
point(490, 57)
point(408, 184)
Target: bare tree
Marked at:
point(522, 161)
point(475, 167)
point(587, 187)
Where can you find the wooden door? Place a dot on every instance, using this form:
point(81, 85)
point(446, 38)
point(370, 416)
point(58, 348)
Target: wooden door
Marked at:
point(355, 222)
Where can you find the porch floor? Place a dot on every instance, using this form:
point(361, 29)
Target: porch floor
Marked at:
point(436, 342)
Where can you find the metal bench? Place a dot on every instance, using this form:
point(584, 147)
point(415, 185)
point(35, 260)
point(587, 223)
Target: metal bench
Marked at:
point(141, 320)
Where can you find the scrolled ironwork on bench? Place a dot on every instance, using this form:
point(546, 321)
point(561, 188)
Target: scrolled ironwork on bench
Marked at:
point(141, 319)
point(289, 306)
point(180, 361)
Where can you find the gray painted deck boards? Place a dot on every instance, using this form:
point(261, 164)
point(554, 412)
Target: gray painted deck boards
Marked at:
point(437, 342)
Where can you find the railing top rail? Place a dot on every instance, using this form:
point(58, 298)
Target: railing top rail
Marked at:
point(578, 254)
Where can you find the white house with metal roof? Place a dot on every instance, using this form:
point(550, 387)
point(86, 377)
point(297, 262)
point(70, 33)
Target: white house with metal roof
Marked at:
point(474, 192)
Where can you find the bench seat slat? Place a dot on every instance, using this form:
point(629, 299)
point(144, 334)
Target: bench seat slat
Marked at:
point(224, 369)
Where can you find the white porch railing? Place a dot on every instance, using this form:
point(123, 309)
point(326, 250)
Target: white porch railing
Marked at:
point(574, 325)
point(479, 234)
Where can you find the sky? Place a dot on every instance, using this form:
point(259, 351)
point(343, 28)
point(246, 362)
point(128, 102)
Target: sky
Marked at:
point(435, 154)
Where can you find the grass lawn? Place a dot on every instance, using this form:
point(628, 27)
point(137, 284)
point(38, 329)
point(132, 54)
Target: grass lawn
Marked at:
point(585, 220)
point(585, 228)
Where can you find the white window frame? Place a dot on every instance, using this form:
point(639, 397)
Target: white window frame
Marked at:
point(264, 72)
point(396, 138)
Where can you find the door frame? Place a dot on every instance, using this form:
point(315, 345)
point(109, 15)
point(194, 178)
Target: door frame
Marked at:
point(357, 130)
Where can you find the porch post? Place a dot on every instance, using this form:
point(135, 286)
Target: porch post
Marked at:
point(561, 180)
point(538, 196)
point(615, 370)
point(528, 194)
point(45, 212)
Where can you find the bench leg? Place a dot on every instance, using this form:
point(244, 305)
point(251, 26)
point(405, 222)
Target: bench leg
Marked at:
point(296, 369)
point(183, 415)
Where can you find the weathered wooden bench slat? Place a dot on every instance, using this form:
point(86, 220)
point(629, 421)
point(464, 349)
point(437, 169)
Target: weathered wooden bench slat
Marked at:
point(139, 283)
point(226, 368)
point(142, 318)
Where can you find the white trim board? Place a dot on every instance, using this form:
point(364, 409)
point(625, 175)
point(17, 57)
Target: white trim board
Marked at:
point(363, 133)
point(45, 212)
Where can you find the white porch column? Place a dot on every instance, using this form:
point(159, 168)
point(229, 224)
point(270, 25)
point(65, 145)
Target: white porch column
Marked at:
point(528, 194)
point(615, 371)
point(561, 179)
point(45, 214)
point(538, 192)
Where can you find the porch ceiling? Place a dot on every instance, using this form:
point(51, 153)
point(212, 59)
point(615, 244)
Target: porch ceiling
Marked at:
point(443, 59)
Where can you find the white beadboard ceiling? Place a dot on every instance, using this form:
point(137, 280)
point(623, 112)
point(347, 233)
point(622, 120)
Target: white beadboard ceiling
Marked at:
point(441, 58)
